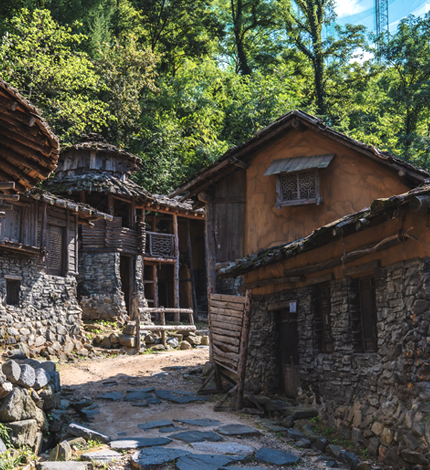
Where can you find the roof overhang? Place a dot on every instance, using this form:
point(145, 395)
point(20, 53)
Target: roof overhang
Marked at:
point(290, 165)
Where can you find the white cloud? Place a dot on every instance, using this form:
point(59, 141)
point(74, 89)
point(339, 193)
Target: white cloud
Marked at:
point(348, 7)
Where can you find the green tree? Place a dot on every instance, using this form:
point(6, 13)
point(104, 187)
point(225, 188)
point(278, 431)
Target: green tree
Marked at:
point(43, 61)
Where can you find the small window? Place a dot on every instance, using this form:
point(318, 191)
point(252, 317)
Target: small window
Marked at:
point(12, 292)
point(300, 187)
point(323, 319)
point(368, 314)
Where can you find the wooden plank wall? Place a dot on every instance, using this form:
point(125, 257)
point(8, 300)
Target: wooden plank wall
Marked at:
point(225, 323)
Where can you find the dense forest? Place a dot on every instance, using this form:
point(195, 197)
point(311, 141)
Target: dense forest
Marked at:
point(178, 82)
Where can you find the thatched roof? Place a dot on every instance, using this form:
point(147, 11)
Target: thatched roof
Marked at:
point(29, 149)
point(380, 211)
point(227, 163)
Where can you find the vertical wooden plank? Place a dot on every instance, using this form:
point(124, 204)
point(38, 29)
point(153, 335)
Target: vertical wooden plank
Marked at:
point(176, 267)
point(155, 290)
point(210, 249)
point(43, 232)
point(67, 237)
point(243, 351)
point(163, 333)
point(76, 244)
point(82, 197)
point(190, 259)
point(133, 214)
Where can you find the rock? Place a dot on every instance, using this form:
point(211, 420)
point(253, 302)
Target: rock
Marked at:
point(17, 406)
point(71, 465)
point(295, 434)
point(232, 448)
point(24, 432)
point(373, 446)
point(387, 436)
point(154, 456)
point(185, 345)
point(89, 434)
point(12, 371)
point(155, 424)
point(127, 340)
point(205, 341)
point(138, 396)
point(42, 420)
point(173, 342)
point(77, 441)
point(196, 436)
point(38, 443)
point(5, 389)
point(27, 377)
point(414, 457)
point(3, 377)
point(237, 430)
point(68, 347)
point(349, 458)
point(50, 399)
point(136, 442)
point(276, 457)
point(167, 395)
point(334, 450)
point(158, 347)
point(3, 447)
point(55, 381)
point(204, 461)
point(299, 412)
point(111, 396)
point(82, 352)
point(288, 422)
point(303, 443)
point(203, 422)
point(114, 338)
point(102, 456)
point(392, 459)
point(61, 452)
point(411, 441)
point(377, 428)
point(320, 443)
point(194, 340)
point(357, 436)
point(130, 329)
point(105, 343)
point(172, 429)
point(49, 366)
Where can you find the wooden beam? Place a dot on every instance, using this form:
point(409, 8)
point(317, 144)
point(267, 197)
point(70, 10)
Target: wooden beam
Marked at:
point(240, 163)
point(9, 168)
point(205, 197)
point(270, 282)
point(419, 203)
point(362, 268)
point(320, 279)
point(7, 185)
point(176, 267)
point(313, 268)
point(6, 207)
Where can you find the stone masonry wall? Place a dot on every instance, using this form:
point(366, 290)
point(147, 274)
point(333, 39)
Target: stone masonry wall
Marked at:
point(100, 288)
point(47, 319)
point(378, 400)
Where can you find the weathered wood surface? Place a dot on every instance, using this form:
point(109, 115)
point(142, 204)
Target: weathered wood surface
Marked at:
point(219, 337)
point(228, 298)
point(243, 352)
point(226, 311)
point(168, 328)
point(176, 267)
point(362, 268)
point(271, 282)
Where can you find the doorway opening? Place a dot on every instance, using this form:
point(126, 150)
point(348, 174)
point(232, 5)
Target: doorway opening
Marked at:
point(126, 280)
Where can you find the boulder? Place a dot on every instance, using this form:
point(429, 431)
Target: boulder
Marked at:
point(41, 379)
point(105, 343)
point(414, 457)
point(27, 376)
point(130, 329)
point(3, 377)
point(42, 420)
point(173, 342)
point(17, 406)
point(61, 452)
point(114, 338)
point(50, 398)
point(185, 345)
point(194, 340)
point(127, 340)
point(5, 389)
point(12, 371)
point(82, 431)
point(24, 432)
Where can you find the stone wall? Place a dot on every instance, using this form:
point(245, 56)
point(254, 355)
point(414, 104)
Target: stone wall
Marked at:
point(47, 319)
point(100, 288)
point(378, 400)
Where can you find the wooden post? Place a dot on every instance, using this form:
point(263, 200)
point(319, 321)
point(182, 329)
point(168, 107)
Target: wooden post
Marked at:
point(163, 332)
point(111, 205)
point(243, 351)
point(76, 244)
point(44, 230)
point(67, 265)
point(210, 250)
point(82, 197)
point(190, 260)
point(176, 268)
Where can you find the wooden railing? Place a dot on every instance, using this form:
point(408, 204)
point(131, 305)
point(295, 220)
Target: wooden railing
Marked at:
point(160, 245)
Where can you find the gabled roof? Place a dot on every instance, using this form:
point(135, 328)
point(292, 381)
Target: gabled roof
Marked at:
point(28, 148)
point(296, 119)
point(347, 225)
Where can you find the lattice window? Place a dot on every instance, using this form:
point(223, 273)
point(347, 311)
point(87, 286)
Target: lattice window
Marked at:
point(160, 245)
point(55, 250)
point(301, 187)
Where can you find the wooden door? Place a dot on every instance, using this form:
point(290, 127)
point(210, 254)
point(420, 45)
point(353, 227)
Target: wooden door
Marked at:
point(290, 353)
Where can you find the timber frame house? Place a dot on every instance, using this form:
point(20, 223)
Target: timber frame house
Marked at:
point(339, 278)
point(38, 235)
point(137, 254)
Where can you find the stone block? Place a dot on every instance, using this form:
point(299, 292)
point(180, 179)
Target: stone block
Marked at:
point(414, 457)
point(61, 452)
point(127, 340)
point(5, 389)
point(17, 406)
point(387, 436)
point(12, 371)
point(27, 377)
point(392, 458)
point(23, 432)
point(357, 436)
point(82, 431)
point(130, 329)
point(377, 428)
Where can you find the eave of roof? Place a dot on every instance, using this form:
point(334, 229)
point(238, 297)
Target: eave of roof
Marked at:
point(30, 149)
point(292, 120)
point(347, 225)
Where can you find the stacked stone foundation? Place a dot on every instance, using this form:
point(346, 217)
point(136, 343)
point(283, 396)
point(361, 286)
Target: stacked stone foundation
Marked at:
point(379, 401)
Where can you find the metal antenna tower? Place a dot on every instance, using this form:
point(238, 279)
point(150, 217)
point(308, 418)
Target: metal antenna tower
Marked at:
point(381, 8)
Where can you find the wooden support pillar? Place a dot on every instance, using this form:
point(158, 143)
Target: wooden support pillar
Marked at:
point(82, 197)
point(243, 352)
point(111, 205)
point(44, 229)
point(66, 251)
point(176, 268)
point(210, 250)
point(76, 244)
point(190, 260)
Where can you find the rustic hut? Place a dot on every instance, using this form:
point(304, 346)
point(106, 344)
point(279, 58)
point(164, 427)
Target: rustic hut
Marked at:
point(340, 302)
point(38, 236)
point(124, 259)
